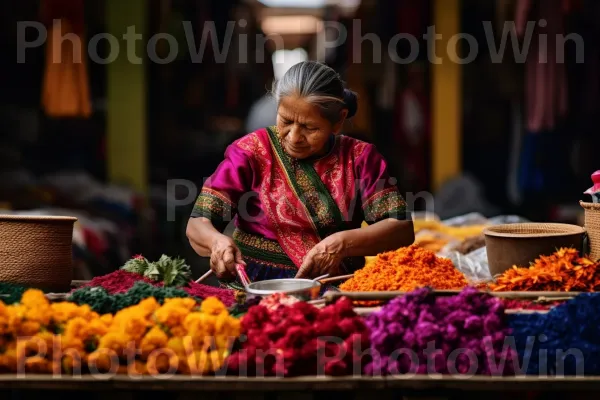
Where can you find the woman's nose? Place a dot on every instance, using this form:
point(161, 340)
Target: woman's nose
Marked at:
point(295, 135)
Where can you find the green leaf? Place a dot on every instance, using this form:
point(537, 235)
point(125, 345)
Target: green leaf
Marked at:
point(153, 272)
point(136, 266)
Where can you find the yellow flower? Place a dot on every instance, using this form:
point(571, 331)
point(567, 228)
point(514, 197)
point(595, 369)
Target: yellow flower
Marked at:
point(32, 346)
point(136, 327)
point(210, 323)
point(46, 339)
point(185, 302)
point(72, 343)
point(8, 361)
point(198, 363)
point(37, 364)
point(7, 319)
point(107, 319)
point(136, 368)
point(114, 341)
point(97, 327)
point(194, 324)
point(73, 361)
point(64, 311)
point(40, 314)
point(171, 315)
point(76, 328)
point(212, 305)
point(148, 306)
point(216, 360)
point(28, 328)
point(176, 344)
point(162, 361)
point(222, 342)
point(178, 331)
point(102, 360)
point(227, 326)
point(154, 339)
point(34, 298)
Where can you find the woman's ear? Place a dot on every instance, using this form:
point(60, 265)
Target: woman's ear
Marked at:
point(337, 128)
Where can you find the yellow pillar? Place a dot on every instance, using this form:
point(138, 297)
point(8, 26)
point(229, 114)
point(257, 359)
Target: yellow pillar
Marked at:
point(446, 96)
point(126, 96)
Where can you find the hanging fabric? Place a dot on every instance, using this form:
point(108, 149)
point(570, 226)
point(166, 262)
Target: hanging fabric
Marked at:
point(412, 132)
point(546, 77)
point(65, 90)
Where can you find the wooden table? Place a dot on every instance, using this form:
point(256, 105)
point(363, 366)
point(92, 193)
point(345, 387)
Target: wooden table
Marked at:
point(309, 388)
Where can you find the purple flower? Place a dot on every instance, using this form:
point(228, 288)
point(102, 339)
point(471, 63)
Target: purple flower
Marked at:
point(451, 323)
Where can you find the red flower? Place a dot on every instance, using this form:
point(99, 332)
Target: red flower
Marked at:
point(336, 368)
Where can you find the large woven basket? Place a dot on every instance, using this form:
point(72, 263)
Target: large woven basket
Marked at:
point(592, 225)
point(521, 244)
point(36, 251)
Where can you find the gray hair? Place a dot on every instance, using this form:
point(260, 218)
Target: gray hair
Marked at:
point(320, 85)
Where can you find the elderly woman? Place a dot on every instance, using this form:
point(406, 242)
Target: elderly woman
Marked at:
point(299, 191)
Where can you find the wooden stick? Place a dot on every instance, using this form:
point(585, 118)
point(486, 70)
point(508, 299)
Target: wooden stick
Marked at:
point(336, 278)
point(203, 277)
point(383, 296)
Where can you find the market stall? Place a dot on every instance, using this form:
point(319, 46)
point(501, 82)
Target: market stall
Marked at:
point(411, 321)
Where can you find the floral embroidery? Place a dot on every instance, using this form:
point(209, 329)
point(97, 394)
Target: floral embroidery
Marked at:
point(214, 206)
point(338, 177)
point(313, 198)
point(387, 203)
point(262, 250)
point(278, 200)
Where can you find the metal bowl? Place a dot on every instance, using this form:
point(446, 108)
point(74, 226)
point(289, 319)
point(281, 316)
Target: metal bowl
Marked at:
point(303, 289)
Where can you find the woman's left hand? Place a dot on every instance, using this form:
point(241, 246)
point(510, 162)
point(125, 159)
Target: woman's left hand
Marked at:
point(325, 258)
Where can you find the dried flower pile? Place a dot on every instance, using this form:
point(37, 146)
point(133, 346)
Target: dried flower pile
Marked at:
point(119, 281)
point(295, 338)
point(563, 271)
point(471, 321)
point(148, 338)
point(200, 291)
point(511, 304)
point(404, 270)
point(569, 334)
point(104, 303)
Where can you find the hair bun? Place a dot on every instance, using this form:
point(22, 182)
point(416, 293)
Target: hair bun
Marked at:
point(351, 102)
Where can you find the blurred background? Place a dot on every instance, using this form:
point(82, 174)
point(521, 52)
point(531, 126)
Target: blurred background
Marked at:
point(107, 139)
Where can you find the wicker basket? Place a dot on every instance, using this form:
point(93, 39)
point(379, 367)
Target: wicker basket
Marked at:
point(521, 244)
point(36, 251)
point(592, 225)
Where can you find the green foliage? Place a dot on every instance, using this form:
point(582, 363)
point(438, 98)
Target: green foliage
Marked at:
point(11, 293)
point(172, 272)
point(102, 302)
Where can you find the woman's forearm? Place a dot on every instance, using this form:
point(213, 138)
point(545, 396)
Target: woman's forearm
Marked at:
point(202, 234)
point(386, 235)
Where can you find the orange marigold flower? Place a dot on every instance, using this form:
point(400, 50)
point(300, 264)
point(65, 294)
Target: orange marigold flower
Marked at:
point(212, 305)
point(154, 339)
point(563, 271)
point(405, 270)
point(33, 298)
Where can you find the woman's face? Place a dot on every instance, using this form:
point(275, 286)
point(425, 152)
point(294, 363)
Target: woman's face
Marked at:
point(303, 131)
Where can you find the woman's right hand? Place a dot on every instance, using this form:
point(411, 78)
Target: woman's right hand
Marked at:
point(224, 255)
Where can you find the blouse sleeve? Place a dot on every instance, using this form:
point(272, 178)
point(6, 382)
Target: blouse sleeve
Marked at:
point(379, 195)
point(221, 192)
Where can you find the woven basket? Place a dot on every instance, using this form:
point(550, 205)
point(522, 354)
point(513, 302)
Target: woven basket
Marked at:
point(592, 225)
point(521, 244)
point(36, 251)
